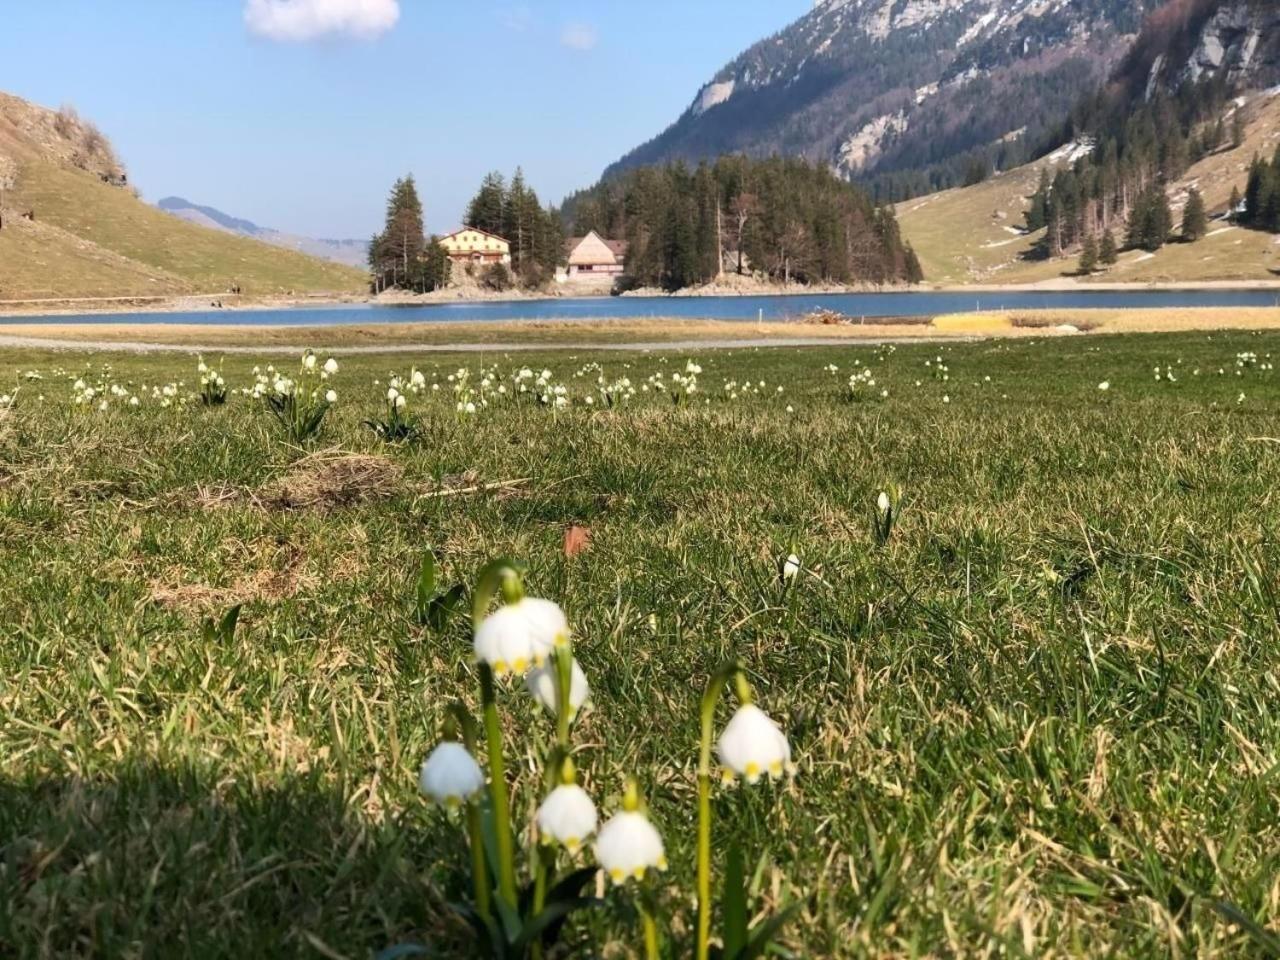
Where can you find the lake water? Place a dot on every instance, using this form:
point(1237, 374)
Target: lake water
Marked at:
point(870, 305)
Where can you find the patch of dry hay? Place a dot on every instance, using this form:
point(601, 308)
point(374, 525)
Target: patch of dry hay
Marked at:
point(332, 478)
point(262, 586)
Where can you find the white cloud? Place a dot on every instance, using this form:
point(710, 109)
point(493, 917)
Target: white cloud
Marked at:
point(301, 20)
point(579, 36)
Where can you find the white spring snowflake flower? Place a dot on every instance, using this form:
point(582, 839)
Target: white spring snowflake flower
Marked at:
point(331, 397)
point(450, 776)
point(331, 366)
point(753, 745)
point(567, 816)
point(308, 361)
point(504, 642)
point(628, 846)
point(791, 567)
point(882, 502)
point(541, 682)
point(1104, 386)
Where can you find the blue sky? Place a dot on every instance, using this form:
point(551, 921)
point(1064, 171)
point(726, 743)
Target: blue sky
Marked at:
point(299, 114)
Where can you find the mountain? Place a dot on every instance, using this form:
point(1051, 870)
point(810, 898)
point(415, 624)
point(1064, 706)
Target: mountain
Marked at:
point(977, 235)
point(918, 95)
point(88, 234)
point(1194, 101)
point(353, 253)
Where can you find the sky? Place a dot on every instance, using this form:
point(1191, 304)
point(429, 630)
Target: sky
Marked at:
point(300, 114)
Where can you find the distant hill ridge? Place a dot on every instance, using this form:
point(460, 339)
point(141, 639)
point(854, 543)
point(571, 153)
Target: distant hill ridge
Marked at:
point(353, 253)
point(90, 236)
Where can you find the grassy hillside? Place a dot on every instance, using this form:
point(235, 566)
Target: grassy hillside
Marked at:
point(91, 238)
point(973, 235)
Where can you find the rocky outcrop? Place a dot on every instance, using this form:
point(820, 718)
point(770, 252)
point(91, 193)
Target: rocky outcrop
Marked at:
point(1240, 40)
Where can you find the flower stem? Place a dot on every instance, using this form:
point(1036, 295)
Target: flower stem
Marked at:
point(651, 943)
point(498, 789)
point(564, 681)
point(715, 687)
point(479, 867)
point(458, 722)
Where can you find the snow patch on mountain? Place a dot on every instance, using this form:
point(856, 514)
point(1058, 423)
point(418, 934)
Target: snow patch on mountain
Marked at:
point(714, 94)
point(868, 143)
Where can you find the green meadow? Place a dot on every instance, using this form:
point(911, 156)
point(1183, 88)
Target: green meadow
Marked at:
point(1042, 720)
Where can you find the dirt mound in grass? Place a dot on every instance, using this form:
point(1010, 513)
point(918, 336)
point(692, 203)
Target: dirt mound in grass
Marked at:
point(333, 478)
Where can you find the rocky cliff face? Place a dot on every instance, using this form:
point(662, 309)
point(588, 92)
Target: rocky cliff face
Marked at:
point(916, 92)
point(1241, 41)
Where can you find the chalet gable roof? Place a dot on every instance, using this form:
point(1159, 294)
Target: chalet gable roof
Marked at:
point(483, 233)
point(618, 248)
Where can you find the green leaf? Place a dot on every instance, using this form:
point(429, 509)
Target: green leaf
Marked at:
point(734, 900)
point(764, 932)
point(426, 585)
point(441, 609)
point(511, 926)
point(571, 885)
point(1262, 938)
point(227, 628)
point(554, 913)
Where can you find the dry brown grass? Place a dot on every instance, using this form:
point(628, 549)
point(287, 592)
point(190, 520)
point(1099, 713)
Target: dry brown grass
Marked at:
point(333, 478)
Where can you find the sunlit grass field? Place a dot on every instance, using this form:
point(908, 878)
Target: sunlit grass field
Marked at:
point(1042, 721)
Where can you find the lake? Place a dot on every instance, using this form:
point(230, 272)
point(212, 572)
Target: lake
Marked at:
point(870, 305)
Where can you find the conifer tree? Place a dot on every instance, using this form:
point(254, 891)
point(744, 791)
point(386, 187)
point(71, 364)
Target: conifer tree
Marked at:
point(1233, 205)
point(1195, 221)
point(395, 254)
point(485, 212)
point(1108, 255)
point(1088, 256)
point(1159, 220)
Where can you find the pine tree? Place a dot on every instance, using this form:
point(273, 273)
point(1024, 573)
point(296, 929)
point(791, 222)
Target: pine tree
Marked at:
point(1252, 215)
point(1195, 221)
point(1233, 205)
point(1138, 217)
point(1159, 221)
point(485, 212)
point(1108, 255)
point(1088, 256)
point(1037, 213)
point(395, 254)
point(435, 266)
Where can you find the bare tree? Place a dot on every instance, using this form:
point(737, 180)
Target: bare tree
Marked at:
point(743, 208)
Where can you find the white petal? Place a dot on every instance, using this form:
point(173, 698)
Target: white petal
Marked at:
point(503, 641)
point(753, 745)
point(450, 774)
point(628, 845)
point(541, 684)
point(548, 626)
point(567, 816)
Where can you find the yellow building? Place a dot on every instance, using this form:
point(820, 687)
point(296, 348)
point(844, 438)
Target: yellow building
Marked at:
point(470, 245)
